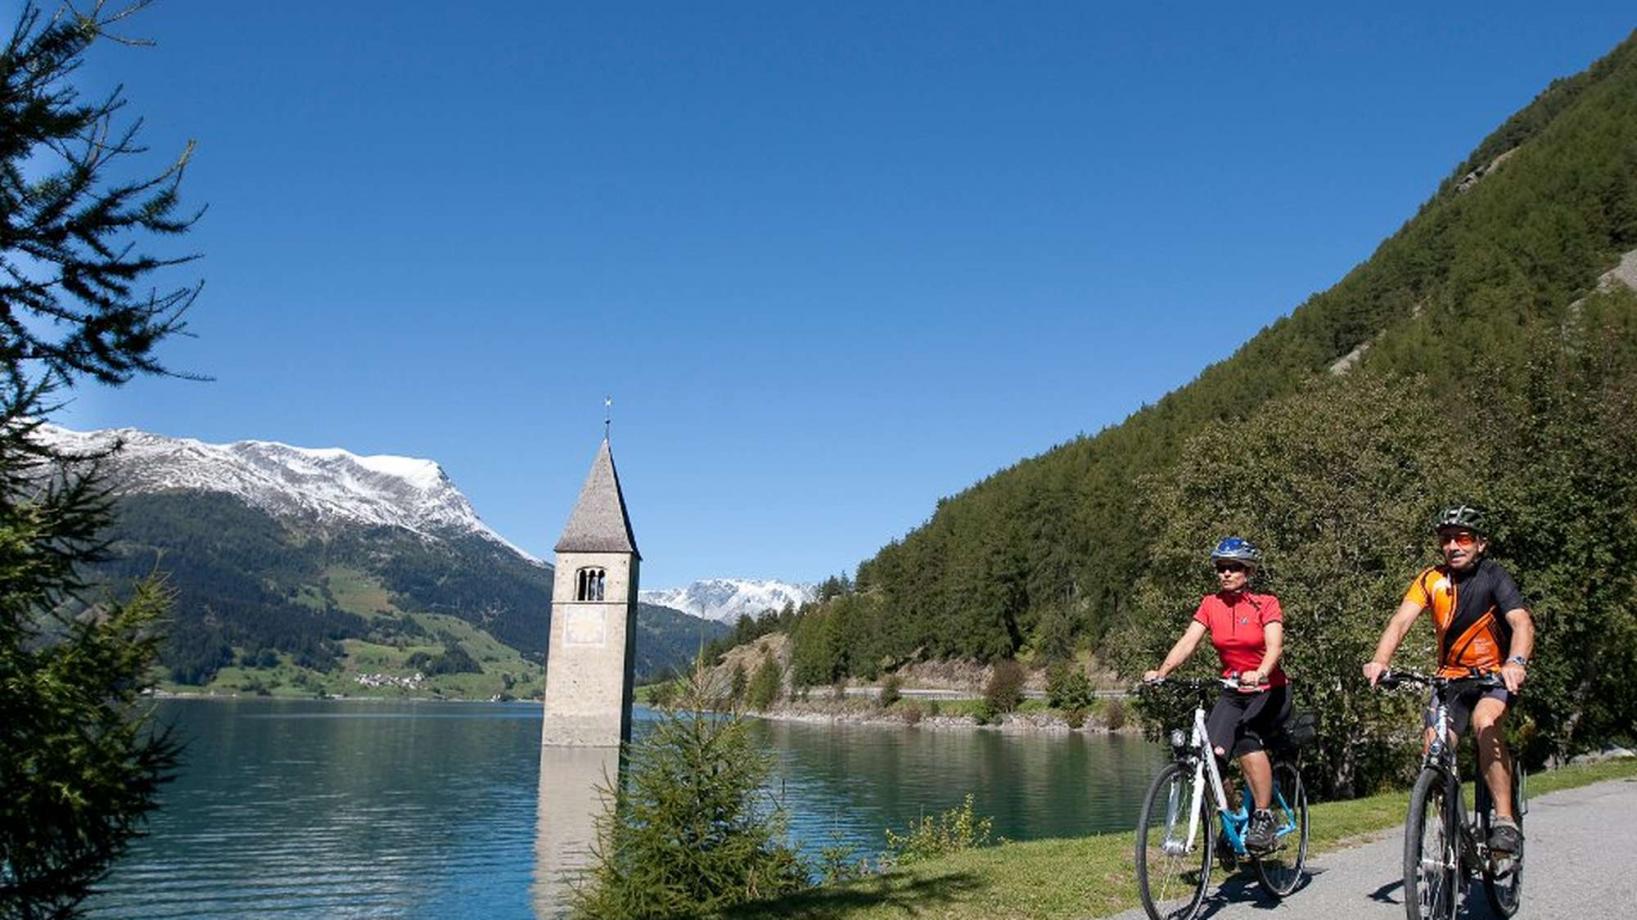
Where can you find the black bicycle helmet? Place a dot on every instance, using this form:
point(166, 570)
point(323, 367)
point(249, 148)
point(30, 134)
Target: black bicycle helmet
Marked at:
point(1465, 516)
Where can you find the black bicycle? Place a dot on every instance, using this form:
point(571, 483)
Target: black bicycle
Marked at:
point(1444, 847)
point(1175, 842)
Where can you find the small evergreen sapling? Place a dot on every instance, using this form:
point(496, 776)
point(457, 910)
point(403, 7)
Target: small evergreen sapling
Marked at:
point(691, 831)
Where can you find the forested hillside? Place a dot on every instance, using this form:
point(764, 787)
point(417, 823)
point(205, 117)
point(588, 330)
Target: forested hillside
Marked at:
point(1482, 362)
point(257, 598)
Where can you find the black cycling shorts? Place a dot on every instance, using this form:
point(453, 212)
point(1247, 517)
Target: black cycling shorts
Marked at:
point(1460, 705)
point(1240, 723)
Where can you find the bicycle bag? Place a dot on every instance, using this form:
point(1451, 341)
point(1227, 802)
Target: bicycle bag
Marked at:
point(1300, 732)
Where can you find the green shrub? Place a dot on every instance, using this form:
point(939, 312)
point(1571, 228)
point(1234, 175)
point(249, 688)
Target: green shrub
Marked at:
point(1005, 689)
point(912, 712)
point(934, 708)
point(737, 682)
point(1067, 687)
point(692, 831)
point(765, 685)
point(890, 690)
point(663, 695)
point(939, 835)
point(1114, 715)
point(1075, 718)
point(839, 861)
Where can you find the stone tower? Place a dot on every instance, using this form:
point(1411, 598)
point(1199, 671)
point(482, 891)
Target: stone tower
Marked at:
point(591, 655)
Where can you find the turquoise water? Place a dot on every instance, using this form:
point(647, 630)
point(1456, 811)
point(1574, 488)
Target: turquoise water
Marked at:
point(316, 809)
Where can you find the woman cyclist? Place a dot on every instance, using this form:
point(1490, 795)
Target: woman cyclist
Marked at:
point(1248, 632)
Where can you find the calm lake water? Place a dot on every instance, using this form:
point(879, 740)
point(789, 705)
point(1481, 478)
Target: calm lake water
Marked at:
point(362, 809)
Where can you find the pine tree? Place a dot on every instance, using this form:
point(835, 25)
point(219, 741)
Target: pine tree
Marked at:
point(691, 831)
point(765, 685)
point(80, 761)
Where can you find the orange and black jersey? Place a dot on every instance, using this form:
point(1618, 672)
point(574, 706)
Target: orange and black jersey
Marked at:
point(1469, 609)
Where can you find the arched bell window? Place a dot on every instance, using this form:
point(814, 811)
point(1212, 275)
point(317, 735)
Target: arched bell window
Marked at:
point(589, 584)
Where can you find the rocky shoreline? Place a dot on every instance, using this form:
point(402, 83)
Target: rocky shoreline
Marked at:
point(856, 711)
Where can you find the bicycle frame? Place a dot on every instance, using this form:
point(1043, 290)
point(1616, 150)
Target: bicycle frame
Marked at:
point(1440, 756)
point(1208, 778)
point(1204, 766)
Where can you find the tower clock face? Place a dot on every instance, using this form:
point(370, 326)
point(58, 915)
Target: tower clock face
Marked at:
point(585, 627)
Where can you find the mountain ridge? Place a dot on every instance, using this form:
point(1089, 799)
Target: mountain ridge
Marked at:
point(307, 569)
point(326, 484)
point(724, 600)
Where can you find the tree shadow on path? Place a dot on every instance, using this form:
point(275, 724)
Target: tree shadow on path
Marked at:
point(1242, 889)
point(912, 896)
point(1474, 905)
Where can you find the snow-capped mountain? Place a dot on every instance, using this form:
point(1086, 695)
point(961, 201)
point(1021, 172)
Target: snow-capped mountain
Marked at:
point(724, 599)
point(323, 485)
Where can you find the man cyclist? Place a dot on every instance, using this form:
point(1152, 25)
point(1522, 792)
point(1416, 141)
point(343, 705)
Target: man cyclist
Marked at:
point(1482, 627)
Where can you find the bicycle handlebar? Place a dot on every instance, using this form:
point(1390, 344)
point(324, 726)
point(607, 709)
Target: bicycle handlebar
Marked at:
point(1192, 683)
point(1391, 680)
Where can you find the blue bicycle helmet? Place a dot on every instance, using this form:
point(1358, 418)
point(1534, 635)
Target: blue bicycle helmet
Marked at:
point(1237, 549)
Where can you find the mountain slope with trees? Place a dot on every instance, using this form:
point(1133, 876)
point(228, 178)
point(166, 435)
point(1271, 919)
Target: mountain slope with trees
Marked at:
point(261, 600)
point(1483, 362)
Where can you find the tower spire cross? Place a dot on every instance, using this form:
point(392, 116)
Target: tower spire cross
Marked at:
point(608, 415)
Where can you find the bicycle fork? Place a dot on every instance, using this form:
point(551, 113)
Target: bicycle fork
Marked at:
point(1196, 803)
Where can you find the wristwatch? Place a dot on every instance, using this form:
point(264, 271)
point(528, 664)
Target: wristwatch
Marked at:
point(1518, 660)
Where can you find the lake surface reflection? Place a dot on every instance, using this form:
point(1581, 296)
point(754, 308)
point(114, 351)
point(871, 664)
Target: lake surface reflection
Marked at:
point(362, 809)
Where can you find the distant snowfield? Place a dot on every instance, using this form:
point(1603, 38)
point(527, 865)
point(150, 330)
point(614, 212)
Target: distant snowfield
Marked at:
point(328, 485)
point(724, 599)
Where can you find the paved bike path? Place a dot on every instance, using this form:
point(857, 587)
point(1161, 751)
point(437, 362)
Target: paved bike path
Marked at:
point(1580, 865)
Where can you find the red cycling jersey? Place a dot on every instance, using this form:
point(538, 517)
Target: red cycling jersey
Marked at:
point(1236, 620)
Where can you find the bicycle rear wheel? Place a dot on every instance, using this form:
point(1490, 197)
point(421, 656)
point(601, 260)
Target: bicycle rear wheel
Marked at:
point(1280, 872)
point(1172, 871)
point(1503, 883)
point(1431, 863)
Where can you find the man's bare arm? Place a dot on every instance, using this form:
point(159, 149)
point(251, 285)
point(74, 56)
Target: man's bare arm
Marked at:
point(1397, 628)
point(1523, 644)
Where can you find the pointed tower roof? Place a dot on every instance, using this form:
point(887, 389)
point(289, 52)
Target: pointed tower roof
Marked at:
point(599, 523)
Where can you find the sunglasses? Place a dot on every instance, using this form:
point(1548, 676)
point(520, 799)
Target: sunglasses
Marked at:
point(1462, 539)
point(1229, 567)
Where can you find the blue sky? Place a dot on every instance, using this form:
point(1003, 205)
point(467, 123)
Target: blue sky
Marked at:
point(833, 261)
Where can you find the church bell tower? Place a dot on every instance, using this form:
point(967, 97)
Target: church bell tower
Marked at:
point(591, 654)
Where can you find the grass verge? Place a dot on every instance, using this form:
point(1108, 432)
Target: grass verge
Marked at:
point(1085, 876)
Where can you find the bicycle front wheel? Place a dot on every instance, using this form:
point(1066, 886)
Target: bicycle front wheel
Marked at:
point(1173, 871)
point(1280, 872)
point(1431, 866)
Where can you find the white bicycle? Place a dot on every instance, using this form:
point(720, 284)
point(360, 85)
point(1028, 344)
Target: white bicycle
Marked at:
point(1175, 839)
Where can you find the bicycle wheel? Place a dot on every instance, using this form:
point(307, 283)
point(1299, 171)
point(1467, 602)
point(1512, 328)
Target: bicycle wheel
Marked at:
point(1431, 863)
point(1503, 882)
point(1280, 872)
point(1172, 871)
